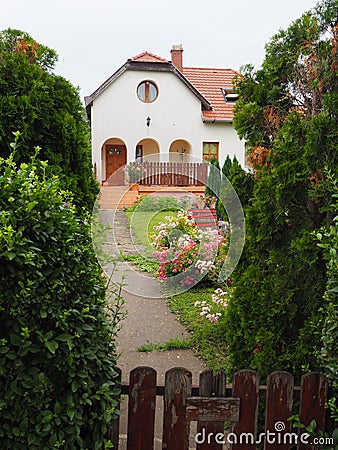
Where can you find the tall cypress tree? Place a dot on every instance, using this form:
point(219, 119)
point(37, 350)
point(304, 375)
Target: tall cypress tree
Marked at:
point(240, 179)
point(226, 166)
point(287, 114)
point(214, 178)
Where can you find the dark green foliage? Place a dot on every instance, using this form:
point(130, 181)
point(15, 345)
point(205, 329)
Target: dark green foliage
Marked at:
point(227, 165)
point(57, 348)
point(241, 180)
point(47, 111)
point(328, 238)
point(214, 179)
point(287, 107)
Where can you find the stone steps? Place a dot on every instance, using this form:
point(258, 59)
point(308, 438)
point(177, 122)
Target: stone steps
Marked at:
point(117, 197)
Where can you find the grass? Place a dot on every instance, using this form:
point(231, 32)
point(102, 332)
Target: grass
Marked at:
point(145, 263)
point(171, 344)
point(207, 338)
point(143, 222)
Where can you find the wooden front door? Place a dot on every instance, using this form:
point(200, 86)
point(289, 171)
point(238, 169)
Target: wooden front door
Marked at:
point(116, 157)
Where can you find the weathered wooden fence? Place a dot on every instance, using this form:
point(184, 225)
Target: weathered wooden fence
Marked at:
point(213, 403)
point(173, 173)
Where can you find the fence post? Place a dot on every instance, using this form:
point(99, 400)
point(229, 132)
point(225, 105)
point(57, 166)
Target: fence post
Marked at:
point(279, 400)
point(246, 387)
point(175, 426)
point(141, 409)
point(313, 397)
point(211, 385)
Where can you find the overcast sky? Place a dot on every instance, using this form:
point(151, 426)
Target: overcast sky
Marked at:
point(93, 38)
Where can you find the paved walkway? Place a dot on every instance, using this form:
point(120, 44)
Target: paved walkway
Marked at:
point(148, 318)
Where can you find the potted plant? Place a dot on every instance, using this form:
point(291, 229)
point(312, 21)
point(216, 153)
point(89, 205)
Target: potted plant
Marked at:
point(134, 171)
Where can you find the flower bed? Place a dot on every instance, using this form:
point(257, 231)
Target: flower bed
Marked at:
point(186, 253)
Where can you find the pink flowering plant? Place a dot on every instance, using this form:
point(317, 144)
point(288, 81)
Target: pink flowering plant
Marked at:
point(187, 253)
point(208, 200)
point(213, 310)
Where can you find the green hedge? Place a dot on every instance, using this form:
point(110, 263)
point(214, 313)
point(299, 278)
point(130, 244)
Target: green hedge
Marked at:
point(57, 349)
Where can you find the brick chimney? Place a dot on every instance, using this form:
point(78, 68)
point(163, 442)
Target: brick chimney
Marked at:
point(177, 56)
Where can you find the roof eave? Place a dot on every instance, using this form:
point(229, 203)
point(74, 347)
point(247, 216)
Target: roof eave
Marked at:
point(147, 66)
point(89, 99)
point(214, 120)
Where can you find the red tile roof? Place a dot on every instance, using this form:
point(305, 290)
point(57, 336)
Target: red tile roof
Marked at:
point(209, 82)
point(206, 83)
point(148, 57)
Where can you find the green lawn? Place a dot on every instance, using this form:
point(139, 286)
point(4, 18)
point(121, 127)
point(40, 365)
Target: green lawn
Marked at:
point(143, 222)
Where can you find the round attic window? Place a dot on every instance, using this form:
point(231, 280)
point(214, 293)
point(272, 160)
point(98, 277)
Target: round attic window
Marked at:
point(147, 91)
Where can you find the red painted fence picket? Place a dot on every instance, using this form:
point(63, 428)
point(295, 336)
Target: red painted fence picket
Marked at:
point(211, 385)
point(175, 426)
point(213, 403)
point(246, 387)
point(141, 409)
point(313, 396)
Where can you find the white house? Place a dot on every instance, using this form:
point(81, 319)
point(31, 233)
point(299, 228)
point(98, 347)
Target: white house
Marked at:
point(160, 110)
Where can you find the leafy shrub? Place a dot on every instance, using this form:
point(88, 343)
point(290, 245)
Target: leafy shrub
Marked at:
point(328, 238)
point(185, 250)
point(47, 110)
point(56, 337)
point(134, 172)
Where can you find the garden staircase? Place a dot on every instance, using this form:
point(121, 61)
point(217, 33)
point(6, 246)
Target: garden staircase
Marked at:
point(116, 197)
point(204, 218)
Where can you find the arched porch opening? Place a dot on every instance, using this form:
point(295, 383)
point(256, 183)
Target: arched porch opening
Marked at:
point(180, 151)
point(147, 149)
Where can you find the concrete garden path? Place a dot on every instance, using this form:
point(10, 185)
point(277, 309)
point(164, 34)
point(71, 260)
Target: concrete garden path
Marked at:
point(149, 319)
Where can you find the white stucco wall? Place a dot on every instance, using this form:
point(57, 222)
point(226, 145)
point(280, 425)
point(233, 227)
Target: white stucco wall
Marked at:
point(175, 114)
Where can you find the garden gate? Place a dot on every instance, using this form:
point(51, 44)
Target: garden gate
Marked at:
point(213, 403)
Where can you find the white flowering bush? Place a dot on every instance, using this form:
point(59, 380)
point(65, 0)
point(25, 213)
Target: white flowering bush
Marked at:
point(173, 229)
point(213, 310)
